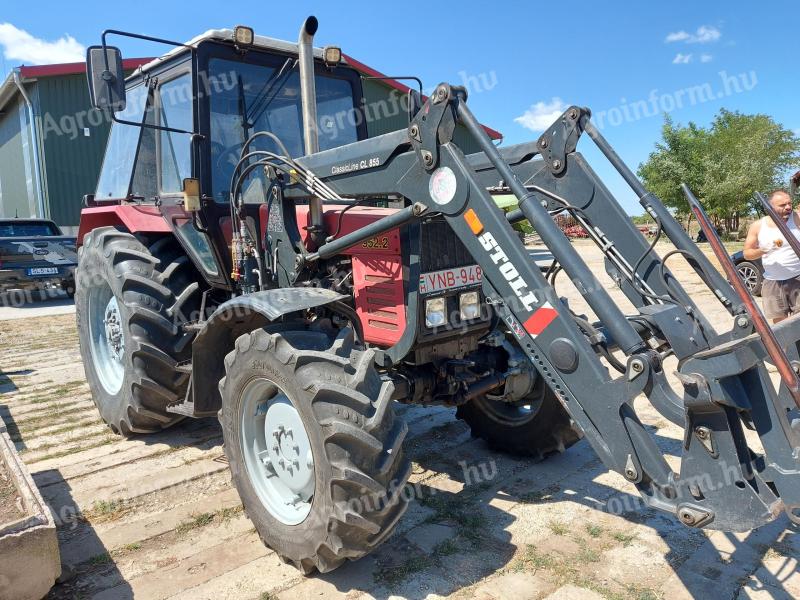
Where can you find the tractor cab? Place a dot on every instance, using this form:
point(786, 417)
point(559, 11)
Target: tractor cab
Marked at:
point(188, 114)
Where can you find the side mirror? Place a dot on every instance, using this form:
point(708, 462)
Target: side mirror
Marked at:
point(106, 78)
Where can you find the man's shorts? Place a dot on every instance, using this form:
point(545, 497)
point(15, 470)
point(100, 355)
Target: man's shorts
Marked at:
point(780, 298)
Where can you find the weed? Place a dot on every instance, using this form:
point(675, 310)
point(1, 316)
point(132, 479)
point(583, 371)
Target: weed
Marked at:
point(558, 527)
point(533, 559)
point(587, 555)
point(100, 559)
point(445, 548)
point(594, 530)
point(624, 538)
point(197, 521)
point(107, 510)
point(392, 577)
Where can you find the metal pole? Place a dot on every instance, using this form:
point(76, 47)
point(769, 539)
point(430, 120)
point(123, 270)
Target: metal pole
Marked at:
point(308, 97)
point(671, 227)
point(37, 167)
point(401, 217)
point(602, 304)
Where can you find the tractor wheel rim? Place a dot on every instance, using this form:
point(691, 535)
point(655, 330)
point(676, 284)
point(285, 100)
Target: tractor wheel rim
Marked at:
point(517, 413)
point(108, 339)
point(277, 451)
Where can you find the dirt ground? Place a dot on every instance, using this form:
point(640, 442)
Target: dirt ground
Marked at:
point(10, 508)
point(156, 516)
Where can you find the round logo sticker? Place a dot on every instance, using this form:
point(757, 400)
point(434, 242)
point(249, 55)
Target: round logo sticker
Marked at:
point(442, 185)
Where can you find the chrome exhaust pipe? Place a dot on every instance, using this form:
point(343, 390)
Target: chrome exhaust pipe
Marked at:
point(308, 98)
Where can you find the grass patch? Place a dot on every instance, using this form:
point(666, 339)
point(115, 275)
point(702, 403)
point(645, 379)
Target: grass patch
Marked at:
point(203, 519)
point(107, 510)
point(533, 560)
point(445, 548)
point(587, 555)
point(594, 530)
point(539, 496)
point(636, 592)
point(394, 576)
point(624, 538)
point(558, 527)
point(195, 522)
point(100, 559)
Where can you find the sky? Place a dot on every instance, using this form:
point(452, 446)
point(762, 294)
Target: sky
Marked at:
point(523, 62)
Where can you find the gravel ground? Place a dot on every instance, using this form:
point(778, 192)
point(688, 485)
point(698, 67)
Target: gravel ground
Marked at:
point(156, 516)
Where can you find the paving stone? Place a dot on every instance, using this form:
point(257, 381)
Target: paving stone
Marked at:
point(781, 573)
point(430, 535)
point(573, 592)
point(513, 586)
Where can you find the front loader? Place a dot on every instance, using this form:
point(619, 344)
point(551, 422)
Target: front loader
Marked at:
point(250, 253)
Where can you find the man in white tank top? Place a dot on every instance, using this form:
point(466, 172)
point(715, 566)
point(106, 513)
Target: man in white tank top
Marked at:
point(780, 292)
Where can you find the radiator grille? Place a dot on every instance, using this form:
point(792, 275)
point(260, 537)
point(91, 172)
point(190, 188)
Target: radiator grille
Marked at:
point(441, 248)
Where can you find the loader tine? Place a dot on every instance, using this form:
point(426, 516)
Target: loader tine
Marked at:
point(780, 223)
point(776, 353)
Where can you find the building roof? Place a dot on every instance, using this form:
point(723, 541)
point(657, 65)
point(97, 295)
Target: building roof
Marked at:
point(8, 88)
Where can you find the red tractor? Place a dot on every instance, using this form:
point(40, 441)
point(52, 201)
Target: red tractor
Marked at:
point(238, 259)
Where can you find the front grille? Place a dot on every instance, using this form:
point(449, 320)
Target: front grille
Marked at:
point(441, 248)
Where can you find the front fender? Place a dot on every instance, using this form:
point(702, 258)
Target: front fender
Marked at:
point(236, 317)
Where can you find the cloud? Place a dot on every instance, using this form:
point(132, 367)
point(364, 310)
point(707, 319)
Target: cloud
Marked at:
point(678, 36)
point(705, 34)
point(542, 114)
point(20, 45)
point(705, 58)
point(682, 59)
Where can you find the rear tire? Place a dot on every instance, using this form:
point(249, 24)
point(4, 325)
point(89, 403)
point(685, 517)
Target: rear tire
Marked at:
point(350, 498)
point(535, 426)
point(131, 301)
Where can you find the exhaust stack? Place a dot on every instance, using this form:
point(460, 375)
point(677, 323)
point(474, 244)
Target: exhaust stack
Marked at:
point(308, 97)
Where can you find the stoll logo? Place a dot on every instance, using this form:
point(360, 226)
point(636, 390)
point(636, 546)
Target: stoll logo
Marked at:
point(509, 271)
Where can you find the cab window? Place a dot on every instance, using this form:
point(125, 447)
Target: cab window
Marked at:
point(174, 149)
point(121, 149)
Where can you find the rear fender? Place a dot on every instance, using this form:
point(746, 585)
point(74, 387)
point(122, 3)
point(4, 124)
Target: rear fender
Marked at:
point(133, 218)
point(236, 317)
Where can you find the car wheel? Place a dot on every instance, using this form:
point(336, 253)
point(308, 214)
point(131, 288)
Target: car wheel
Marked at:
point(751, 275)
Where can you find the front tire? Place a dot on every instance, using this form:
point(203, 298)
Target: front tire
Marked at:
point(291, 401)
point(131, 301)
point(536, 426)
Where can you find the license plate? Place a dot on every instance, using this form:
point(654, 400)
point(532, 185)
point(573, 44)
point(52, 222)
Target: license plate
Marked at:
point(449, 279)
point(43, 271)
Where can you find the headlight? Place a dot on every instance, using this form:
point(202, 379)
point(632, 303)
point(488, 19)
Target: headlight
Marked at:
point(470, 308)
point(434, 312)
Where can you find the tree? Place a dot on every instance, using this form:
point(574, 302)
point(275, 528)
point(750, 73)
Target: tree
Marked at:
point(724, 164)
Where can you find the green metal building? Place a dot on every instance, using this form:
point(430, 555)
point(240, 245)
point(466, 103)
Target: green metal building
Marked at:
point(47, 168)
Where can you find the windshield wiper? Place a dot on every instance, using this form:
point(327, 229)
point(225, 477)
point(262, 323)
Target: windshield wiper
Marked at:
point(262, 100)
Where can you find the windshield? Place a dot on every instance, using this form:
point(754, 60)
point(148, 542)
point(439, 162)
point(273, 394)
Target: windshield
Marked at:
point(42, 229)
point(248, 98)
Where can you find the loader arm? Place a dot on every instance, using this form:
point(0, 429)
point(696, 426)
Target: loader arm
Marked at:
point(722, 484)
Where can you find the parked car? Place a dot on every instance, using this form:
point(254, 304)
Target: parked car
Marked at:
point(36, 255)
point(751, 272)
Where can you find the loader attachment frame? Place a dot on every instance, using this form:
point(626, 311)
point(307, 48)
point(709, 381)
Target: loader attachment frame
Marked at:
point(722, 483)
